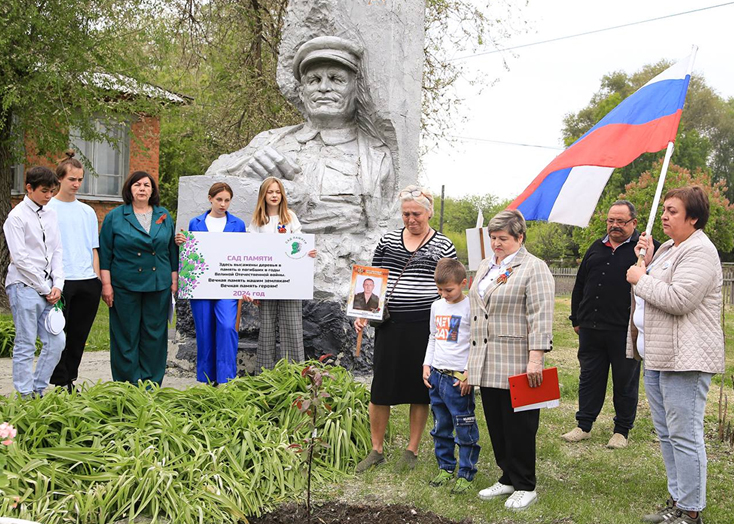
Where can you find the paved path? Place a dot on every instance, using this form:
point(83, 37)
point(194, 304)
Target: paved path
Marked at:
point(96, 366)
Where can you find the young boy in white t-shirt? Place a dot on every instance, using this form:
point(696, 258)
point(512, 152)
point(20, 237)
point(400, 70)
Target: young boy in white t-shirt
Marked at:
point(444, 373)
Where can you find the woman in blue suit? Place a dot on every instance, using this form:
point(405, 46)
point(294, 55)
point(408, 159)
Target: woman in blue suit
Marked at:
point(216, 333)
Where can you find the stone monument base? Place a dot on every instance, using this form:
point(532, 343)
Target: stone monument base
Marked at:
point(326, 330)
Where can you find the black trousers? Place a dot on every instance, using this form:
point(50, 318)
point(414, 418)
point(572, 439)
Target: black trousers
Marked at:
point(81, 301)
point(513, 438)
point(598, 350)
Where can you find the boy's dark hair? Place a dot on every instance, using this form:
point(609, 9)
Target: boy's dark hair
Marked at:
point(127, 192)
point(41, 176)
point(449, 271)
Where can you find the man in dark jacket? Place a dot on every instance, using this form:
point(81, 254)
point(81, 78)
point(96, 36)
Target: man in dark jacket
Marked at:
point(600, 309)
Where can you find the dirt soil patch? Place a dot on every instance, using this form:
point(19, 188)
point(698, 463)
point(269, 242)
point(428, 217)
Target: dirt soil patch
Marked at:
point(339, 513)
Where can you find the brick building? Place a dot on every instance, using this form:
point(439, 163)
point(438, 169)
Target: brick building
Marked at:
point(139, 147)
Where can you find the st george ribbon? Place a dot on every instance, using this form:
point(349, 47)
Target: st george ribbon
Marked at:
point(568, 189)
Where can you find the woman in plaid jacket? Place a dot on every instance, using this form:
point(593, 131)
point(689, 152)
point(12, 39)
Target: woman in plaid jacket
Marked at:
point(512, 301)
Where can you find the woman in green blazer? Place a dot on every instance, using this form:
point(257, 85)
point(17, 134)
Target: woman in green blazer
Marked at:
point(138, 259)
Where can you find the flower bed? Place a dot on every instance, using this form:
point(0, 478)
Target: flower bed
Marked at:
point(205, 454)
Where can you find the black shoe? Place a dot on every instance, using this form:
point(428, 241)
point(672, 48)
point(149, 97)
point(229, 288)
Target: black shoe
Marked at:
point(666, 514)
point(69, 387)
point(31, 396)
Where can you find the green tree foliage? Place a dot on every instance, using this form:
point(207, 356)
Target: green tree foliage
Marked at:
point(224, 55)
point(49, 51)
point(641, 192)
point(552, 242)
point(460, 214)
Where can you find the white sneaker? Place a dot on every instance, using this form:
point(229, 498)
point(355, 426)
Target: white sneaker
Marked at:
point(521, 499)
point(495, 491)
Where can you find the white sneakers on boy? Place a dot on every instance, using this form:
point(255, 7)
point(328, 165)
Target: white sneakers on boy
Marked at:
point(497, 490)
point(521, 499)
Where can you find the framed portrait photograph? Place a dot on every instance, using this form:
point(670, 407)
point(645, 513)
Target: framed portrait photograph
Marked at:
point(367, 292)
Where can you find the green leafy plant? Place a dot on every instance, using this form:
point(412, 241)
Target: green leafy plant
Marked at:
point(7, 434)
point(314, 405)
point(7, 338)
point(116, 451)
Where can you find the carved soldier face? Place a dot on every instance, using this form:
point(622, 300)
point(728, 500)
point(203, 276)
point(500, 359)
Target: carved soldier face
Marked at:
point(328, 90)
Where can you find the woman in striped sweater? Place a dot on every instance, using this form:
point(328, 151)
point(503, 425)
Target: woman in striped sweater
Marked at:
point(411, 254)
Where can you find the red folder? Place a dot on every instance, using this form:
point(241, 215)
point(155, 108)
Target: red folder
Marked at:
point(547, 395)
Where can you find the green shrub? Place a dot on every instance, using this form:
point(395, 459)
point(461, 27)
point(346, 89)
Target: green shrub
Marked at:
point(206, 454)
point(7, 338)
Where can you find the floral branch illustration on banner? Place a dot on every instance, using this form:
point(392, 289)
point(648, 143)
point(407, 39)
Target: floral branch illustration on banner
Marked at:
point(191, 265)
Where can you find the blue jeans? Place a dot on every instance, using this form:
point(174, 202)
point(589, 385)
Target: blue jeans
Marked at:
point(677, 401)
point(453, 413)
point(29, 316)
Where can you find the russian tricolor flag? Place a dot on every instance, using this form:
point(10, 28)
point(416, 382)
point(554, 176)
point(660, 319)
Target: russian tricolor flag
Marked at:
point(568, 189)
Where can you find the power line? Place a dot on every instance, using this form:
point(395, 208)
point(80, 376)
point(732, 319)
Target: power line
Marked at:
point(589, 32)
point(505, 143)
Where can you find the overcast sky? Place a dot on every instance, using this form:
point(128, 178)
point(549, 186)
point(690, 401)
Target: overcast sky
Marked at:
point(547, 81)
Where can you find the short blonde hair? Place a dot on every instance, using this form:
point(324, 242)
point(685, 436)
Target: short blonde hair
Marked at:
point(510, 220)
point(414, 193)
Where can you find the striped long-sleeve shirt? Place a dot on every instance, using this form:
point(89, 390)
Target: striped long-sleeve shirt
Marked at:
point(412, 298)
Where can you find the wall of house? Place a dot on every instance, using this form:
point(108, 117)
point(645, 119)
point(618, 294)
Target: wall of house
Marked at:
point(144, 156)
point(145, 142)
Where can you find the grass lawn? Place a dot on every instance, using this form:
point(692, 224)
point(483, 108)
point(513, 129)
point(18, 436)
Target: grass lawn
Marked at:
point(581, 483)
point(577, 483)
point(99, 337)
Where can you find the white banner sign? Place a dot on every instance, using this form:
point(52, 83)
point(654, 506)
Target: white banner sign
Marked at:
point(235, 265)
point(478, 246)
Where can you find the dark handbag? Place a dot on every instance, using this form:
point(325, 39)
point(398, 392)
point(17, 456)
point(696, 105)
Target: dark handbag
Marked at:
point(386, 312)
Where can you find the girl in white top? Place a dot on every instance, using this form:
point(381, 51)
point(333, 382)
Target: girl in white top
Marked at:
point(273, 216)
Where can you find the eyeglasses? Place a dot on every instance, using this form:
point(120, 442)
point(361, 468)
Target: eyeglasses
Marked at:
point(415, 193)
point(618, 222)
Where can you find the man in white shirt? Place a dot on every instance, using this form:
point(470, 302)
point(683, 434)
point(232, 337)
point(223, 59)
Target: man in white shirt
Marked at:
point(82, 289)
point(34, 282)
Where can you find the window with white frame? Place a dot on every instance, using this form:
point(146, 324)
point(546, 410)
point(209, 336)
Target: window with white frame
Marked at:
point(17, 171)
point(110, 162)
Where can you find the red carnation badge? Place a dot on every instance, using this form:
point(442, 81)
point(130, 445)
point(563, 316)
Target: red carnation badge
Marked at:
point(161, 219)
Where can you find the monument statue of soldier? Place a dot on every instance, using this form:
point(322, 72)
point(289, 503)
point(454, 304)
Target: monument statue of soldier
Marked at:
point(336, 168)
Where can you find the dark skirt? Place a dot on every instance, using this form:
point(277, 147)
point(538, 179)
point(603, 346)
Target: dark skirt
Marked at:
point(400, 348)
